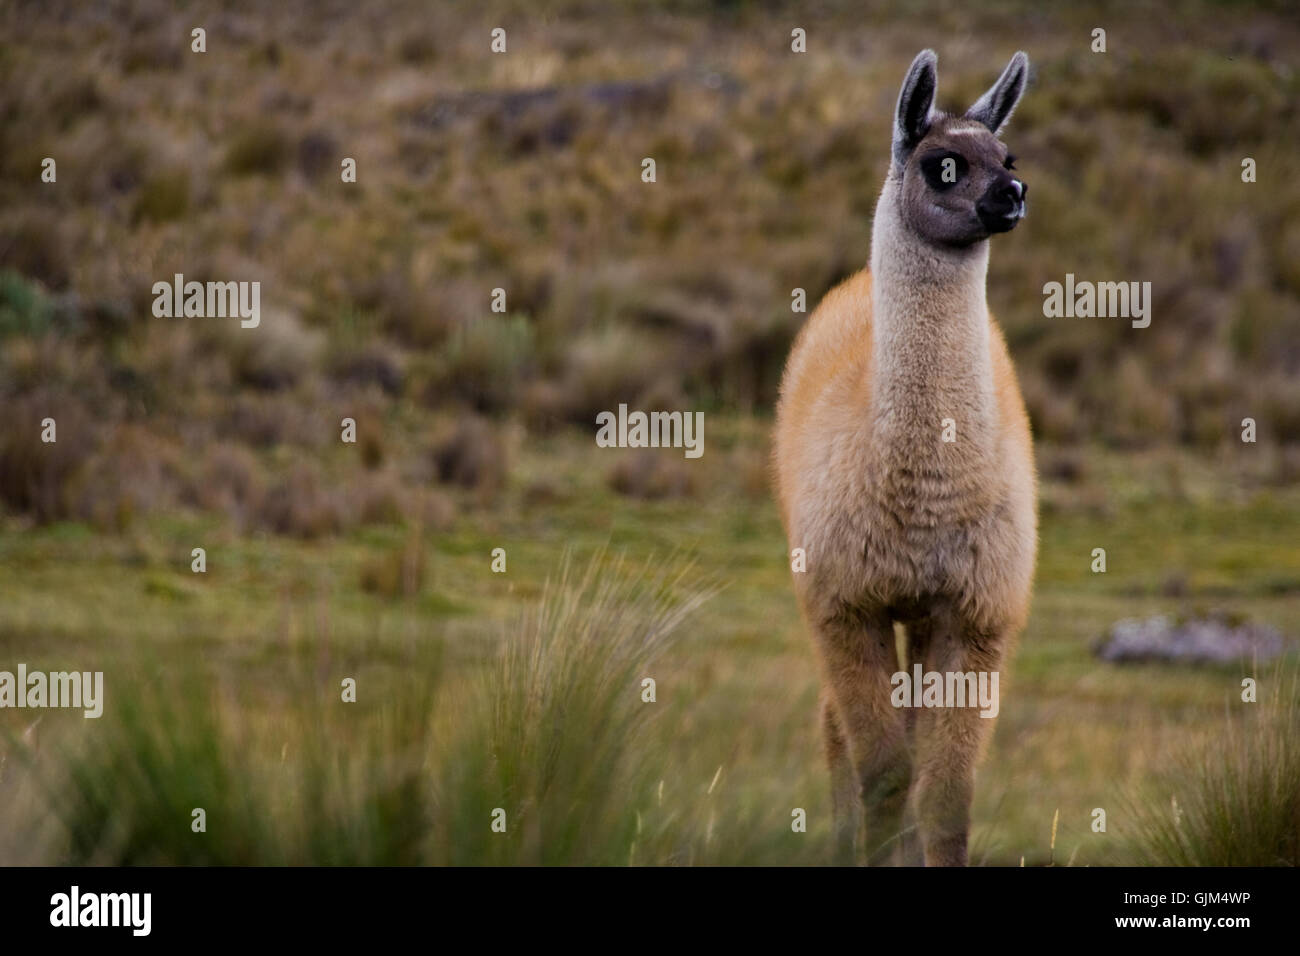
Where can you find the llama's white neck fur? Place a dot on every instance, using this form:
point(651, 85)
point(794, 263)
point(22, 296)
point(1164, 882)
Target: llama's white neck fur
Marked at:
point(930, 330)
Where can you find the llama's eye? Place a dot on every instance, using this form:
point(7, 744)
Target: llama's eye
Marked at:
point(1009, 162)
point(943, 170)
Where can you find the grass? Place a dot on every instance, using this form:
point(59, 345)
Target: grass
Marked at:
point(1235, 800)
point(522, 690)
point(521, 172)
point(562, 747)
point(552, 733)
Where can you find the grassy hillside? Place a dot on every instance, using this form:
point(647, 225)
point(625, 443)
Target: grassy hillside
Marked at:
point(522, 172)
point(232, 678)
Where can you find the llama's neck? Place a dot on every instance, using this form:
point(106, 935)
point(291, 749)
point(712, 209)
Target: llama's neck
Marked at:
point(930, 348)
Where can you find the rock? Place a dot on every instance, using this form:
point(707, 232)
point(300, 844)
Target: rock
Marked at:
point(1216, 637)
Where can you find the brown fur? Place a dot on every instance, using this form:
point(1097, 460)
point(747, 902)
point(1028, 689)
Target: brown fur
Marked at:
point(900, 526)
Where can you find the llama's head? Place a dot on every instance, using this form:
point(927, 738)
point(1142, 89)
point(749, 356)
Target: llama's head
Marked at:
point(955, 176)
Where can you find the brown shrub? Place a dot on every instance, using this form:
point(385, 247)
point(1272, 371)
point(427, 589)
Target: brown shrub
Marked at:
point(74, 95)
point(152, 53)
point(134, 472)
point(35, 476)
point(610, 366)
point(1285, 472)
point(165, 196)
point(376, 499)
point(276, 354)
point(652, 474)
point(268, 420)
point(231, 482)
point(373, 364)
point(372, 446)
point(543, 493)
point(260, 149)
point(1279, 402)
point(752, 468)
point(473, 457)
point(430, 508)
point(397, 573)
point(35, 247)
point(1053, 416)
point(1066, 465)
point(318, 154)
point(300, 505)
point(483, 363)
point(418, 46)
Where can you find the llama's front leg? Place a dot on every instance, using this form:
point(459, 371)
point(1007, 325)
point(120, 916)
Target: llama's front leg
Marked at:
point(918, 644)
point(859, 657)
point(949, 740)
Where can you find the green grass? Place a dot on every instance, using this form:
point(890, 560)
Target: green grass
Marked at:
point(478, 172)
point(522, 690)
point(1235, 800)
point(557, 737)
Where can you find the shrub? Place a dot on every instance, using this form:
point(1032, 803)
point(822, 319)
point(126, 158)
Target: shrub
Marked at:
point(396, 573)
point(35, 476)
point(24, 307)
point(556, 736)
point(1235, 799)
point(300, 505)
point(164, 196)
point(310, 784)
point(260, 149)
point(484, 362)
point(649, 474)
point(134, 472)
point(231, 482)
point(35, 247)
point(473, 456)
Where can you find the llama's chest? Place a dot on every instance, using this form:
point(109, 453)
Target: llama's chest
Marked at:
point(893, 531)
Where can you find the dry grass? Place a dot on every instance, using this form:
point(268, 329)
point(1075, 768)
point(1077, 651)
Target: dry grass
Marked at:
point(475, 428)
point(522, 172)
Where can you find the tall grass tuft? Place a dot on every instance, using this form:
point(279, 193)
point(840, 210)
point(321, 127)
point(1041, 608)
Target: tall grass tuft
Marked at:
point(126, 796)
point(560, 740)
point(554, 732)
point(1233, 800)
point(286, 777)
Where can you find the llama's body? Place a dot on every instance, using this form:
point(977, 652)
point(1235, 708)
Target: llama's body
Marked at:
point(861, 459)
point(899, 525)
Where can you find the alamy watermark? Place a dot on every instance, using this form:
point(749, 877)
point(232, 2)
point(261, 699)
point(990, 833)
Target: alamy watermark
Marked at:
point(651, 430)
point(1103, 300)
point(950, 689)
point(37, 689)
point(74, 908)
point(178, 298)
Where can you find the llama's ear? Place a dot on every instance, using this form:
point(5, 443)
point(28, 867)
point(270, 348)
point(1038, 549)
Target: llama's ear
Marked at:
point(993, 109)
point(912, 118)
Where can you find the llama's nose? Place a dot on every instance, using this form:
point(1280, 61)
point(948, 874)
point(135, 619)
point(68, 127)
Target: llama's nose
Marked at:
point(1012, 193)
point(1001, 207)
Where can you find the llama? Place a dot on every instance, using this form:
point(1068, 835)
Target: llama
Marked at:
point(904, 469)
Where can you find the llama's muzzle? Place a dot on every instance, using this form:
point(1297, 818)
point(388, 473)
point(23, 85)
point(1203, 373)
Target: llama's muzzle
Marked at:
point(1002, 205)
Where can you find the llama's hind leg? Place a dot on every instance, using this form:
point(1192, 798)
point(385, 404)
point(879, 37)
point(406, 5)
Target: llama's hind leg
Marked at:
point(948, 744)
point(859, 658)
point(846, 808)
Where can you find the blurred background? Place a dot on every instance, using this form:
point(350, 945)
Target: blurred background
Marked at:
point(522, 171)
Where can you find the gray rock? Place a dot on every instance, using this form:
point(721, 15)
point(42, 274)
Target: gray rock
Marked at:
point(1215, 638)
